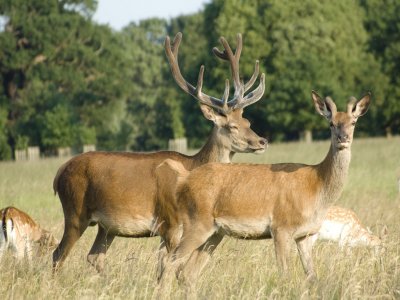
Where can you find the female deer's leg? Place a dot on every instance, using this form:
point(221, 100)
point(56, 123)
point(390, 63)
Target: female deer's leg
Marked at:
point(169, 241)
point(97, 253)
point(282, 247)
point(197, 261)
point(304, 245)
point(194, 236)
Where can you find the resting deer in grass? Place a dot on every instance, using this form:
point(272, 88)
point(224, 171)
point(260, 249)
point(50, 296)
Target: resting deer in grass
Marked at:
point(19, 233)
point(117, 190)
point(342, 225)
point(285, 201)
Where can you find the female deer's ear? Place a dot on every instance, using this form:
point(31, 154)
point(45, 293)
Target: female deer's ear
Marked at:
point(362, 106)
point(323, 107)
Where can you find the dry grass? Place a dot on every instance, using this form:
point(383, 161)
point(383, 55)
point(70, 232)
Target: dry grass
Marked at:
point(238, 269)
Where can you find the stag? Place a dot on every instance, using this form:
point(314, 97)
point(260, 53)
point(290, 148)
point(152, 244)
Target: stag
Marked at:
point(117, 191)
point(286, 201)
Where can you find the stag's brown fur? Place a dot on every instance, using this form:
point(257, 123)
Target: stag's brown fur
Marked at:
point(284, 201)
point(117, 190)
point(20, 233)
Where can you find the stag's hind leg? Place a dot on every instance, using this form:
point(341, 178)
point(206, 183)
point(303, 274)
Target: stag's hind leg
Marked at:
point(74, 228)
point(97, 254)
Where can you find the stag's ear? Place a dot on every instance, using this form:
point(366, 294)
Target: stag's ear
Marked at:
point(323, 107)
point(212, 115)
point(362, 106)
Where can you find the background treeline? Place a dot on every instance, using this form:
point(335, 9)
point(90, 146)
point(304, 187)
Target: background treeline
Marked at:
point(67, 81)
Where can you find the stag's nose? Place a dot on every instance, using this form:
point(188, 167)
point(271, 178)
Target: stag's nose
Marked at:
point(263, 142)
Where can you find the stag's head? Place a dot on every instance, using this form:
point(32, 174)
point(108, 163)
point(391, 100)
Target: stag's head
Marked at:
point(233, 131)
point(342, 123)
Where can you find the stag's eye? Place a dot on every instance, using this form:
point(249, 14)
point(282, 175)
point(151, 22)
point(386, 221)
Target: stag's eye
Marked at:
point(353, 123)
point(331, 124)
point(233, 126)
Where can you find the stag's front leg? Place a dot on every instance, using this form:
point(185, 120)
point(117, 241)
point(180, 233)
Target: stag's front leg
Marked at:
point(304, 245)
point(97, 254)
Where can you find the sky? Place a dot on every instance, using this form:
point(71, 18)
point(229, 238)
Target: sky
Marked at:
point(119, 13)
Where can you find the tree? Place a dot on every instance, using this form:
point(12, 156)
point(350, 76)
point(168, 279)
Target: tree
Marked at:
point(304, 45)
point(52, 55)
point(384, 43)
point(153, 106)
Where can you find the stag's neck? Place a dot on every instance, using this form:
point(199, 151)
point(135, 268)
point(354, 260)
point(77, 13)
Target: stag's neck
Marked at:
point(333, 171)
point(213, 151)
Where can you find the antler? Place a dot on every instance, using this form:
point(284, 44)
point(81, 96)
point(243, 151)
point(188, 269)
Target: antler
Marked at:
point(239, 100)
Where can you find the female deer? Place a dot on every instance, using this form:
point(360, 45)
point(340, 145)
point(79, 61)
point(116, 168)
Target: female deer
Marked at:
point(286, 201)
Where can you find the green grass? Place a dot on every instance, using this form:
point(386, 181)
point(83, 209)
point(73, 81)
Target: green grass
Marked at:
point(238, 269)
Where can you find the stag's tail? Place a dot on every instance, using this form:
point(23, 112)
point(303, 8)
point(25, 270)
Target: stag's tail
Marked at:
point(57, 178)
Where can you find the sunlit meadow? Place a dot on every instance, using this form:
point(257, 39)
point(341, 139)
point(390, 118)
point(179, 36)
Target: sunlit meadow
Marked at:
point(238, 269)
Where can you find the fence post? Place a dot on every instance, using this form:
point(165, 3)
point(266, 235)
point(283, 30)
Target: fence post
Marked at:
point(179, 145)
point(87, 148)
point(20, 155)
point(33, 153)
point(64, 151)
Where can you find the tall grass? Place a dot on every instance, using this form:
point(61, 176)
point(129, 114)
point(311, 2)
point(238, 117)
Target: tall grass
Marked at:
point(238, 269)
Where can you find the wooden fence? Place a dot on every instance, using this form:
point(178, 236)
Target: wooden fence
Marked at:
point(179, 145)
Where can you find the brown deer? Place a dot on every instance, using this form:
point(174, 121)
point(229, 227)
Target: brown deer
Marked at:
point(19, 233)
point(342, 225)
point(117, 190)
point(285, 201)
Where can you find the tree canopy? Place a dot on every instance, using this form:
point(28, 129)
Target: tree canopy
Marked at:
point(67, 81)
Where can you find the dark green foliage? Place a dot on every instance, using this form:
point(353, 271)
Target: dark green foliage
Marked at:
point(383, 24)
point(67, 81)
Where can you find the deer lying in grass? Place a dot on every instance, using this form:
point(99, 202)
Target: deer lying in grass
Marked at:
point(286, 201)
point(117, 190)
point(19, 233)
point(342, 225)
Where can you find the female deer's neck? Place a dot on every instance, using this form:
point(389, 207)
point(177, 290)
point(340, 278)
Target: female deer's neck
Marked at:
point(333, 171)
point(213, 150)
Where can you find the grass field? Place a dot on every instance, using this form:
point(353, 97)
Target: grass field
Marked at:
point(238, 269)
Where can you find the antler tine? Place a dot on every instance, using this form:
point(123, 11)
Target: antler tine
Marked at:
point(172, 56)
point(175, 44)
point(172, 52)
point(253, 96)
point(253, 78)
point(228, 55)
point(226, 93)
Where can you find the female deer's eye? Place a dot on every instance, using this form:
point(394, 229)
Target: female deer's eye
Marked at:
point(331, 124)
point(353, 123)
